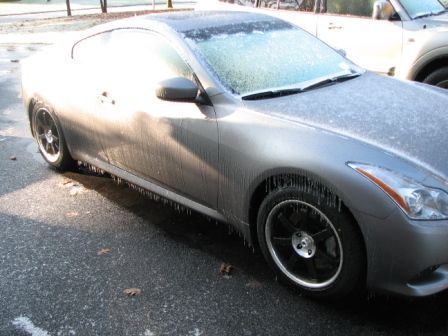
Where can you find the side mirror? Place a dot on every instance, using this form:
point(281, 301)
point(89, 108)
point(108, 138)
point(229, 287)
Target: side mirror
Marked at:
point(382, 10)
point(177, 89)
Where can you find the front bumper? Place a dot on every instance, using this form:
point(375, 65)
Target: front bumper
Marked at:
point(404, 256)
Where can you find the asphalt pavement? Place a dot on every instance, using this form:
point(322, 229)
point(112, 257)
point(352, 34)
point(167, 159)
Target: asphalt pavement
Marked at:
point(71, 244)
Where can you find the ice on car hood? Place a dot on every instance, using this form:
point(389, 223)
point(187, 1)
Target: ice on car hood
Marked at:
point(406, 118)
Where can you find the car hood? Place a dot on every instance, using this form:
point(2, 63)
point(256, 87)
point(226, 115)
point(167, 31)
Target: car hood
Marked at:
point(406, 118)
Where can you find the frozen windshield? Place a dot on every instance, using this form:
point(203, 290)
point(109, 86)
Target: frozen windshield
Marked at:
point(257, 56)
point(420, 8)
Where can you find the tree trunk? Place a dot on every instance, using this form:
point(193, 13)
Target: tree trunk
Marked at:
point(169, 3)
point(103, 6)
point(69, 10)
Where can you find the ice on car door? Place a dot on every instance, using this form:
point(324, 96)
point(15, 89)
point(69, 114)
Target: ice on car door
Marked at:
point(171, 143)
point(88, 70)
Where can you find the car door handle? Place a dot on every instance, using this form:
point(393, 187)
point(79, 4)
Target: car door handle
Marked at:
point(106, 99)
point(331, 25)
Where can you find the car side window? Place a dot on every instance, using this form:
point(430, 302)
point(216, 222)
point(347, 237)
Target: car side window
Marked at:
point(293, 5)
point(92, 49)
point(363, 8)
point(145, 55)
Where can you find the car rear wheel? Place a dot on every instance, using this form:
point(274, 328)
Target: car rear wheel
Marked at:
point(438, 78)
point(311, 244)
point(49, 137)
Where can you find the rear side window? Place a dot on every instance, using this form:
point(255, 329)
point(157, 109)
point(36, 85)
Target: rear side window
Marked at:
point(350, 7)
point(92, 49)
point(140, 53)
point(131, 54)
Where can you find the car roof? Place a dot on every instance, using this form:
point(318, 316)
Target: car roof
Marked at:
point(189, 20)
point(183, 21)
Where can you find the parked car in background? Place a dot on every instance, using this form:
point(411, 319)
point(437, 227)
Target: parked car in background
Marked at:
point(404, 38)
point(338, 174)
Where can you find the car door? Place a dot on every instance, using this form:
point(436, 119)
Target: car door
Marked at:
point(87, 72)
point(373, 44)
point(298, 12)
point(173, 144)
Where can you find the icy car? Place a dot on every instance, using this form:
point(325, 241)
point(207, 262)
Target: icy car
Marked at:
point(339, 175)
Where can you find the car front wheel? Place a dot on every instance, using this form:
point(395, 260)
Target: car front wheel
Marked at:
point(311, 243)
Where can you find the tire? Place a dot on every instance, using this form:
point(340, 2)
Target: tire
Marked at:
point(438, 78)
point(310, 244)
point(49, 137)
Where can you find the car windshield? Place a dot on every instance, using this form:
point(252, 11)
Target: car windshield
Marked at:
point(264, 55)
point(422, 8)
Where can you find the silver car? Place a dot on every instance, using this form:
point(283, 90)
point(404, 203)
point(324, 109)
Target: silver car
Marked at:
point(337, 174)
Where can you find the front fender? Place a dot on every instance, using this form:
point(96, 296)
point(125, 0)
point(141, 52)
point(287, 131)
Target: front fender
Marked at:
point(420, 50)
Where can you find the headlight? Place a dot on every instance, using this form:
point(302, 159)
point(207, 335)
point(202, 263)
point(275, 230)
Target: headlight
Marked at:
point(416, 200)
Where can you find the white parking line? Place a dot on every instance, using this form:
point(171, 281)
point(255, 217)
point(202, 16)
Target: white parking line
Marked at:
point(24, 323)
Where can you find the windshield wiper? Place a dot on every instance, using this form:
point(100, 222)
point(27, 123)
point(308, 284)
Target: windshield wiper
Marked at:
point(421, 16)
point(271, 94)
point(330, 81)
point(285, 92)
point(430, 14)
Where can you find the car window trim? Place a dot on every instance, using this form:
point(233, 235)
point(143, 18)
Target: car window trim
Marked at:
point(86, 38)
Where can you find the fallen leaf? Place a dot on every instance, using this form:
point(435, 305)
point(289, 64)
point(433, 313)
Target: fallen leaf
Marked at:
point(13, 158)
point(104, 251)
point(225, 268)
point(71, 214)
point(132, 291)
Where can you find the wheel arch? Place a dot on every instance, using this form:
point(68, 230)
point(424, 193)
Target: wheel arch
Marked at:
point(30, 106)
point(429, 67)
point(286, 177)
